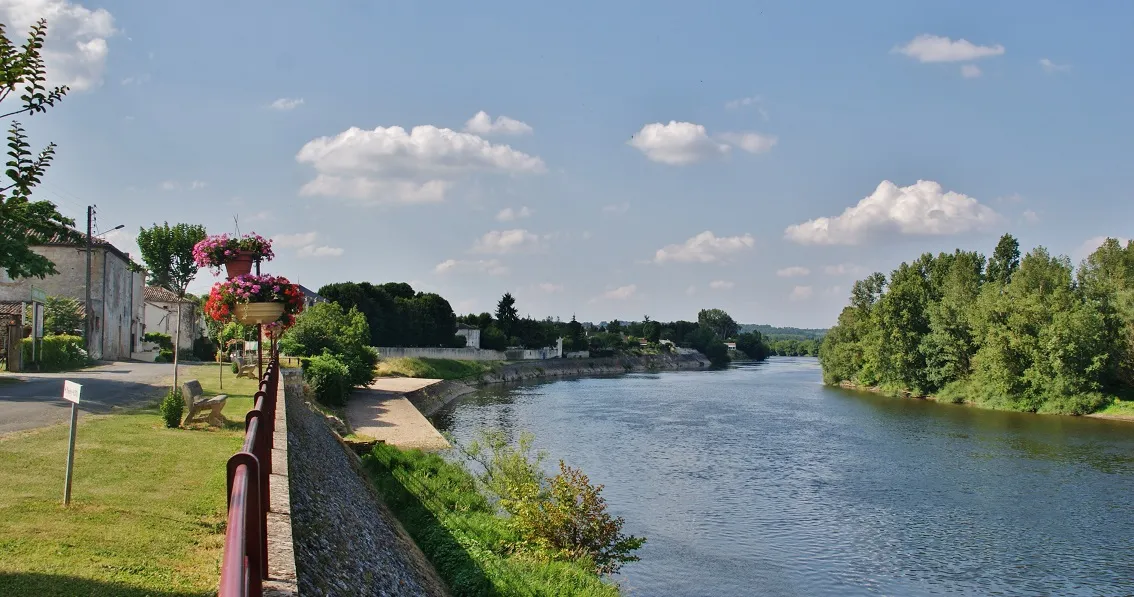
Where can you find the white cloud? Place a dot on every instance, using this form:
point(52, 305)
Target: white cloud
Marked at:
point(844, 269)
point(125, 241)
point(198, 184)
point(173, 185)
point(261, 216)
point(508, 214)
point(793, 271)
point(76, 48)
point(616, 208)
point(286, 103)
point(691, 290)
point(482, 124)
point(506, 241)
point(936, 48)
point(833, 291)
point(550, 288)
point(621, 293)
point(705, 247)
point(801, 293)
point(970, 71)
point(168, 185)
point(323, 251)
point(1050, 67)
point(1030, 216)
point(750, 142)
point(290, 241)
point(491, 267)
point(923, 208)
point(721, 285)
point(391, 165)
point(676, 143)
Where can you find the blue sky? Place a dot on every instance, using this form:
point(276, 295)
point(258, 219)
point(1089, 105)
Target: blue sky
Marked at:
point(656, 157)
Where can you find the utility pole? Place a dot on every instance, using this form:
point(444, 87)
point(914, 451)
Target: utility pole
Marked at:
point(87, 305)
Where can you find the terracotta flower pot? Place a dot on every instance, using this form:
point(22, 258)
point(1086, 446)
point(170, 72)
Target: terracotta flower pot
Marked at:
point(239, 265)
point(252, 313)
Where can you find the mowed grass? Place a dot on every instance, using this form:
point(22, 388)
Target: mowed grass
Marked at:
point(1119, 408)
point(433, 368)
point(147, 510)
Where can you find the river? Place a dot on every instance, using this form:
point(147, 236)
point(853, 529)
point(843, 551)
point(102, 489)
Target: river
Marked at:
point(759, 480)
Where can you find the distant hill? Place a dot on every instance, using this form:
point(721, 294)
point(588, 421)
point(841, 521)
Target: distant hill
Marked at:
point(789, 333)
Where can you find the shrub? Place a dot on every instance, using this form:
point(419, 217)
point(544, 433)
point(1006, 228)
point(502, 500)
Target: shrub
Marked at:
point(164, 341)
point(164, 356)
point(56, 353)
point(204, 349)
point(172, 407)
point(63, 315)
point(329, 378)
point(326, 329)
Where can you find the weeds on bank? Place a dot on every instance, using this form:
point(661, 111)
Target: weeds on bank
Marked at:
point(433, 368)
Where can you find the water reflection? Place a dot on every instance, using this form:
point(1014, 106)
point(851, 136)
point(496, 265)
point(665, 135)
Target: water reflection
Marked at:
point(758, 480)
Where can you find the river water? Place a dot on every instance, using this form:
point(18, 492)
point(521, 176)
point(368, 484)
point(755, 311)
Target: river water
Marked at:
point(759, 480)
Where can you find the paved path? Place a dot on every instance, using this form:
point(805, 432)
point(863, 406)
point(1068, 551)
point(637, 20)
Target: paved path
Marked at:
point(37, 400)
point(383, 412)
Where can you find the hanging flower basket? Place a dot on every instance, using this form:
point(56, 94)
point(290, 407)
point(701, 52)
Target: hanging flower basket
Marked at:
point(251, 299)
point(235, 253)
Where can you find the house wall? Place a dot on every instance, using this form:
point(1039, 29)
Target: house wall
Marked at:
point(115, 294)
point(161, 317)
point(472, 338)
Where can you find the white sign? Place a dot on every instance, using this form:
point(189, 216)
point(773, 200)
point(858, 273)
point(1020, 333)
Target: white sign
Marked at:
point(71, 391)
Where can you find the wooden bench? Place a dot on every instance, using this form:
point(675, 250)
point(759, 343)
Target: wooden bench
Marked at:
point(242, 370)
point(197, 404)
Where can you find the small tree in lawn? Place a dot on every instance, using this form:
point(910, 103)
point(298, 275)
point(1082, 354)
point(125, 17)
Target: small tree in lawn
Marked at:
point(168, 253)
point(23, 222)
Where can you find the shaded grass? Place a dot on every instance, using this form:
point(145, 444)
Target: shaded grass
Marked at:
point(1118, 408)
point(470, 546)
point(433, 368)
point(147, 514)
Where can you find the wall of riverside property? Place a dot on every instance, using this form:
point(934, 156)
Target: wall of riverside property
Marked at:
point(466, 354)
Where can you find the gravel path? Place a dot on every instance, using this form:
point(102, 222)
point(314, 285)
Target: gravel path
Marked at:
point(346, 541)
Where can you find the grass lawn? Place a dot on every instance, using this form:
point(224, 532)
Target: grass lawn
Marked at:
point(471, 547)
point(147, 510)
point(433, 368)
point(1119, 408)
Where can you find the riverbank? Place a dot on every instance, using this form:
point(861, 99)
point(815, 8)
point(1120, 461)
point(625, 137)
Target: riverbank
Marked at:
point(1118, 410)
point(434, 397)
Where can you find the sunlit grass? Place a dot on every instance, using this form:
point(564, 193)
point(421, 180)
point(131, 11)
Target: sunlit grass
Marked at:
point(433, 368)
point(148, 503)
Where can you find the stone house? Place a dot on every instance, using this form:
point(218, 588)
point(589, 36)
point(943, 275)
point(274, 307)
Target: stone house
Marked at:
point(471, 334)
point(116, 309)
point(161, 316)
point(310, 297)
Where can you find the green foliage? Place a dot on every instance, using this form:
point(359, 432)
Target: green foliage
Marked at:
point(164, 341)
point(718, 322)
point(1022, 334)
point(55, 353)
point(792, 347)
point(476, 551)
point(709, 344)
point(168, 253)
point(563, 517)
point(396, 316)
point(753, 345)
point(63, 315)
point(26, 223)
point(204, 349)
point(784, 333)
point(172, 408)
point(492, 338)
point(432, 368)
point(164, 356)
point(329, 378)
point(326, 329)
point(506, 314)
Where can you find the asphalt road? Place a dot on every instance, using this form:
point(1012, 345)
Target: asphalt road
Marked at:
point(38, 399)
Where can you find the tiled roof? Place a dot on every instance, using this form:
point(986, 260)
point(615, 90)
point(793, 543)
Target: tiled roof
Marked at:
point(157, 294)
point(10, 308)
point(59, 240)
point(311, 294)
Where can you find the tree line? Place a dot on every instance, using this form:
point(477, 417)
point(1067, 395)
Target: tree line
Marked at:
point(1029, 334)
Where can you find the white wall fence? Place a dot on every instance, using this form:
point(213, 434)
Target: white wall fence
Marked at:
point(466, 354)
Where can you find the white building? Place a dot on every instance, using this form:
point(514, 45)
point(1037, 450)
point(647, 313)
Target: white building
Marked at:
point(161, 316)
point(471, 334)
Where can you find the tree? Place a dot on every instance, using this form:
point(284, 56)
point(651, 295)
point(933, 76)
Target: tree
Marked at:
point(1005, 260)
point(614, 327)
point(325, 328)
point(168, 253)
point(23, 222)
point(753, 345)
point(576, 338)
point(506, 314)
point(719, 322)
point(63, 315)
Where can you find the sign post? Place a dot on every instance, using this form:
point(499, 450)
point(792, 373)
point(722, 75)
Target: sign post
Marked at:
point(71, 394)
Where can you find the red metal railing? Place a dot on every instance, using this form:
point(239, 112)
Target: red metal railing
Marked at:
point(245, 563)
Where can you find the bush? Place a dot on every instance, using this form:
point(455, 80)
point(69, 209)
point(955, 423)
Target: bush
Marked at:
point(172, 407)
point(326, 329)
point(164, 356)
point(329, 378)
point(55, 353)
point(164, 341)
point(491, 338)
point(204, 349)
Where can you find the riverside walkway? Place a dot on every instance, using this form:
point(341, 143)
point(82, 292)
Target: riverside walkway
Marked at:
point(383, 412)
